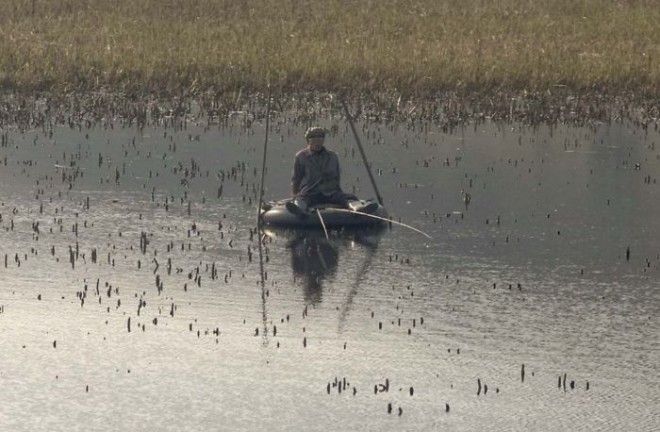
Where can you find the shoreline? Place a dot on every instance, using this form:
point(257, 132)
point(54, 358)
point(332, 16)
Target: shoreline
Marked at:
point(447, 109)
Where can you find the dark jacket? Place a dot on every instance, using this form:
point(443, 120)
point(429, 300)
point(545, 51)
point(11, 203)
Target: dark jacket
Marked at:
point(315, 173)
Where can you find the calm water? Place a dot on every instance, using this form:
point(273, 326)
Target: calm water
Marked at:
point(534, 270)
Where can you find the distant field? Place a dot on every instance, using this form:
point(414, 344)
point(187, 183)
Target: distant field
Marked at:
point(413, 47)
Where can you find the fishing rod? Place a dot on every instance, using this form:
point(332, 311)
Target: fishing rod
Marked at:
point(383, 219)
point(364, 157)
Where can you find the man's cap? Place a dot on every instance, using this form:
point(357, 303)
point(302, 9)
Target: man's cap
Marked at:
point(315, 132)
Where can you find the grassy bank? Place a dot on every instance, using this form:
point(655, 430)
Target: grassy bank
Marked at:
point(412, 47)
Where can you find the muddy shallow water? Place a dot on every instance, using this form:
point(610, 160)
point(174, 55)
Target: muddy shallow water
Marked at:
point(131, 297)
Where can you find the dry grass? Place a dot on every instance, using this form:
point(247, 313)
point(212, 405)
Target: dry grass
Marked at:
point(414, 47)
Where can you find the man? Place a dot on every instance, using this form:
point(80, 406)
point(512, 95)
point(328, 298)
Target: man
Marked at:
point(315, 178)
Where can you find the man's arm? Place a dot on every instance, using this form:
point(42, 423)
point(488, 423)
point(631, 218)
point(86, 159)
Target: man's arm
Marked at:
point(296, 178)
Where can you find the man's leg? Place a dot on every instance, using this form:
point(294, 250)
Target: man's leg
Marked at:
point(340, 198)
point(300, 204)
point(351, 202)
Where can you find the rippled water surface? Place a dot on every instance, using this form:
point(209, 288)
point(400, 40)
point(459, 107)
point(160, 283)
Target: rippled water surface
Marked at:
point(130, 294)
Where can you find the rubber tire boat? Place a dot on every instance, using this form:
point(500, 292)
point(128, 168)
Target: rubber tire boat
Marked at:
point(275, 213)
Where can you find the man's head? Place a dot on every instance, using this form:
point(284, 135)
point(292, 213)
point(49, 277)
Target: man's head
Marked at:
point(315, 137)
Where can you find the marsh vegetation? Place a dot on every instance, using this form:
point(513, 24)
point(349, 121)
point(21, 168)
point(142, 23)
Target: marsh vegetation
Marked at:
point(414, 48)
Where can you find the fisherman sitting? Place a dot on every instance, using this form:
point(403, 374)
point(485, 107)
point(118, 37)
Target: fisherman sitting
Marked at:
point(315, 178)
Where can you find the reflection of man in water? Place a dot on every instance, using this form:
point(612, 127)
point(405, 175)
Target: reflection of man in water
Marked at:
point(315, 178)
point(312, 260)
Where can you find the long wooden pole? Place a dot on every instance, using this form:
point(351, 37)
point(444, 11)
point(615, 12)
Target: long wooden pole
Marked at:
point(364, 157)
point(263, 162)
point(259, 226)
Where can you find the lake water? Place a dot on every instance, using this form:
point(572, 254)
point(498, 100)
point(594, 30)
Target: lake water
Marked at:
point(131, 296)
